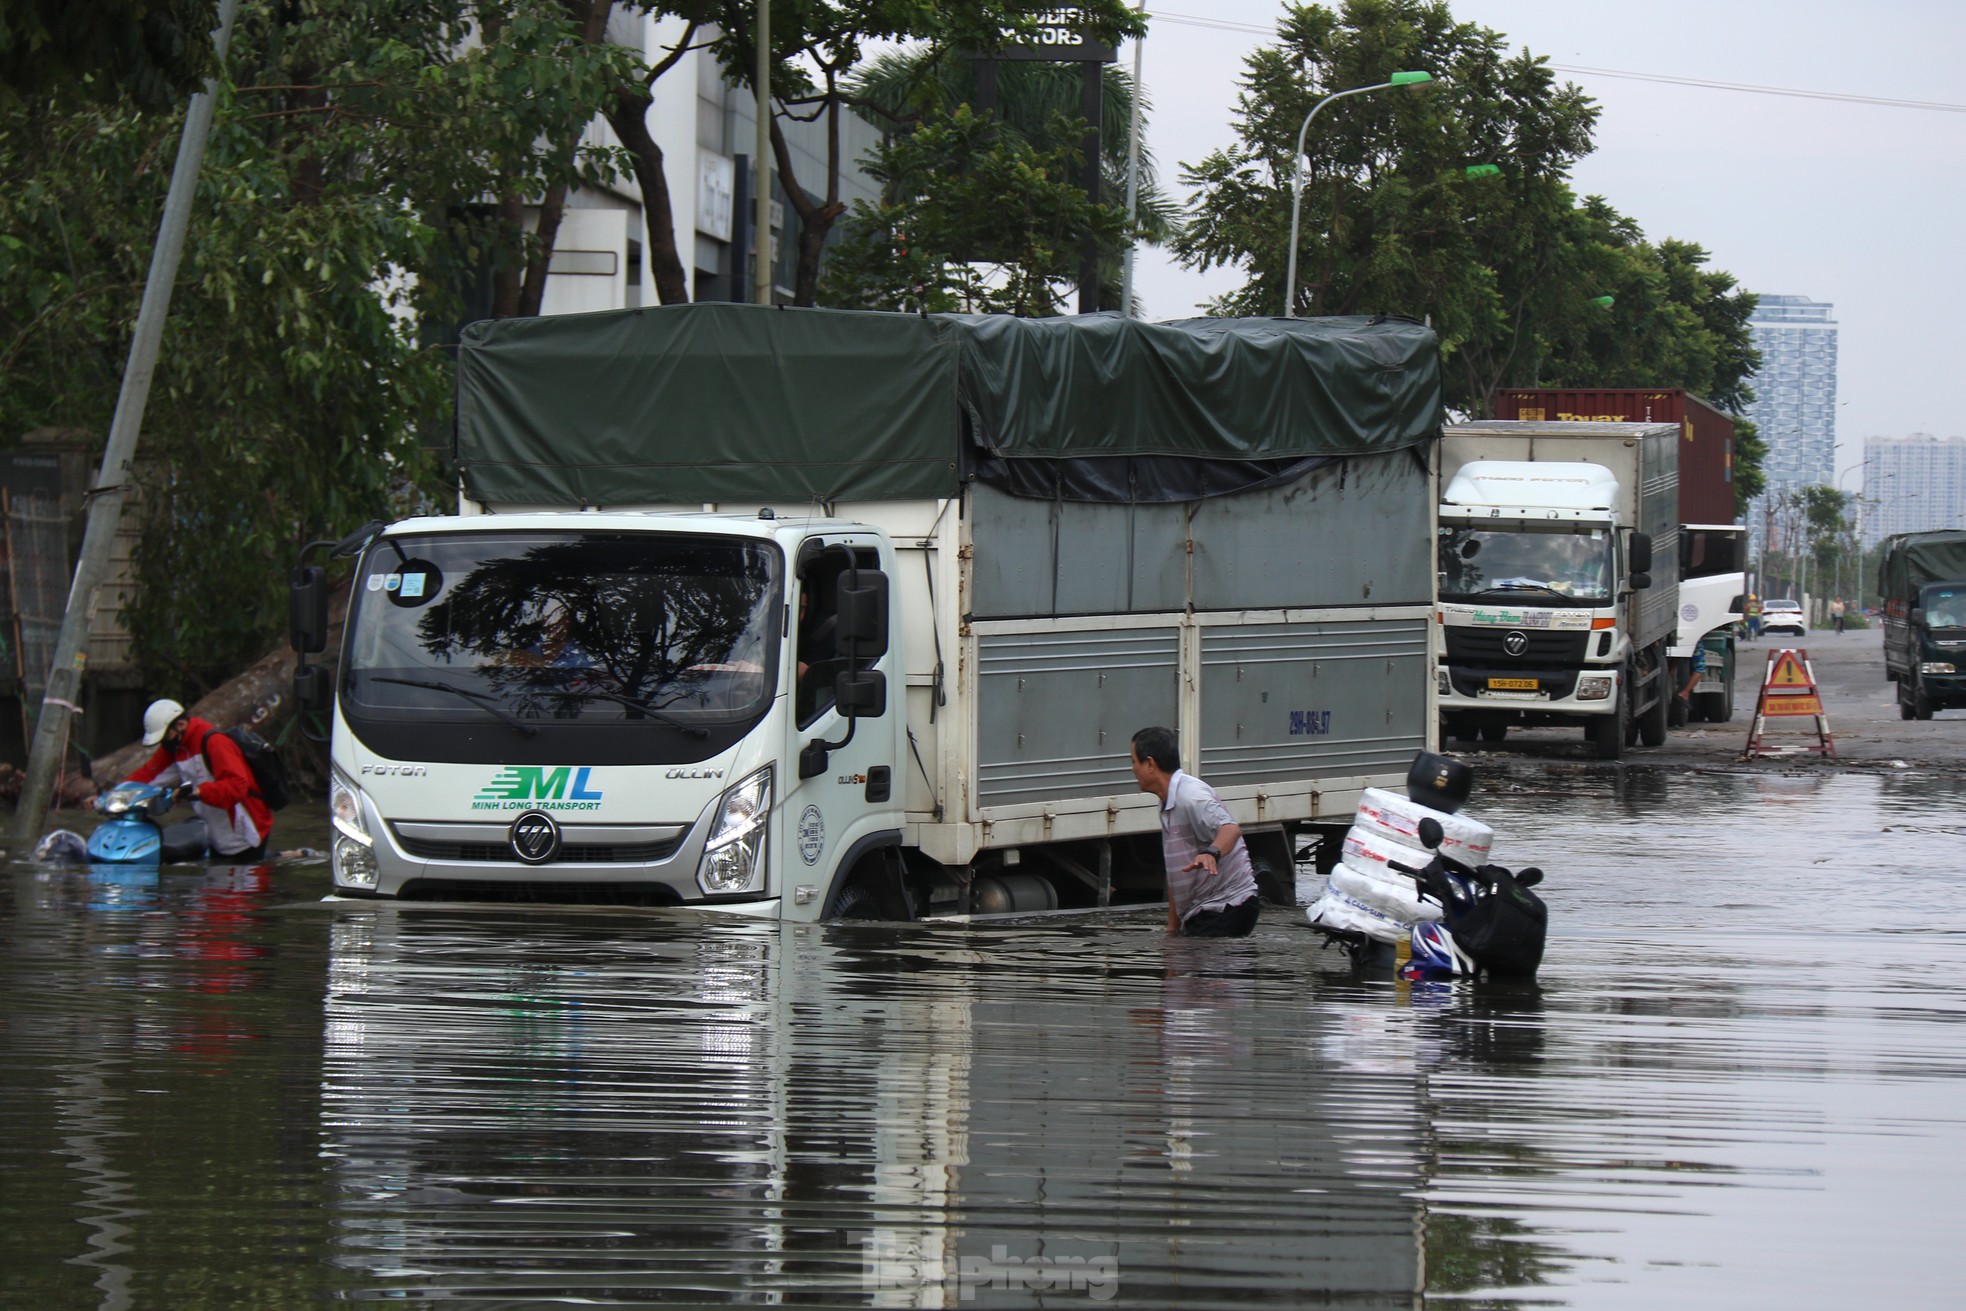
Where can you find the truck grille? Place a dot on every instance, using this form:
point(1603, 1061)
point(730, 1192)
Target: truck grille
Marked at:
point(1483, 646)
point(572, 853)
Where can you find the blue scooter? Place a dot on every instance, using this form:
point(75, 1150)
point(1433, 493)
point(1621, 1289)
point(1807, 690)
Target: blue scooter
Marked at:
point(131, 834)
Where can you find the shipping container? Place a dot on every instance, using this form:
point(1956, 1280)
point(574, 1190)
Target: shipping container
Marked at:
point(1706, 453)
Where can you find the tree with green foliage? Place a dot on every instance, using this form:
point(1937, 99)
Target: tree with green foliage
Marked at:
point(818, 45)
point(1750, 455)
point(1509, 266)
point(339, 208)
point(1037, 104)
point(998, 231)
point(151, 52)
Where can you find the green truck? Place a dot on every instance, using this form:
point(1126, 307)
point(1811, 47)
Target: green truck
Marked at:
point(1922, 580)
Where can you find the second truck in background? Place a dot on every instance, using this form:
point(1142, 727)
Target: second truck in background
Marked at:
point(1713, 548)
point(1558, 579)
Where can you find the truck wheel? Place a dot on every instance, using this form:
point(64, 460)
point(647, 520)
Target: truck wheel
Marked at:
point(1720, 709)
point(1921, 704)
point(1655, 721)
point(1274, 870)
point(1608, 732)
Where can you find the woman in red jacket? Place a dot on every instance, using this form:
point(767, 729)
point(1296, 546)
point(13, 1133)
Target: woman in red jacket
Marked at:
point(191, 753)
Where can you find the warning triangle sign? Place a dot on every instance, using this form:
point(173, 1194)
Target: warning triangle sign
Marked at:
point(1788, 690)
point(1788, 672)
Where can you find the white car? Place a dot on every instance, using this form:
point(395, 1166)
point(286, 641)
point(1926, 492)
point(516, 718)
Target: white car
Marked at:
point(1783, 617)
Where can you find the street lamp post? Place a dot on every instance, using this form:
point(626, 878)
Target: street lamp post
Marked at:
point(1413, 78)
point(1856, 527)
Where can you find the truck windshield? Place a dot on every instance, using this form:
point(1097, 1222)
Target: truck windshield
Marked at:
point(650, 647)
point(1945, 606)
point(1530, 567)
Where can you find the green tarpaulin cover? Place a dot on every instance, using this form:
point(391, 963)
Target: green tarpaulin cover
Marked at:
point(1911, 560)
point(725, 402)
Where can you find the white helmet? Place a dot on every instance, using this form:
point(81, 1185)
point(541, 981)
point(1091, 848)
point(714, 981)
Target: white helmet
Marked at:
point(158, 719)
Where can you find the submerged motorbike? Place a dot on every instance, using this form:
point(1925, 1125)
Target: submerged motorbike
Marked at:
point(132, 835)
point(1491, 923)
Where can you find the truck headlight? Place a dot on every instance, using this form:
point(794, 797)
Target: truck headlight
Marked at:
point(1595, 687)
point(354, 863)
point(1442, 682)
point(734, 857)
point(1937, 667)
point(345, 809)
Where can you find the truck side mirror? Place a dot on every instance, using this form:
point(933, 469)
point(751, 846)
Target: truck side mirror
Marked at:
point(862, 624)
point(1918, 614)
point(860, 694)
point(313, 691)
point(307, 607)
point(1641, 581)
point(1641, 554)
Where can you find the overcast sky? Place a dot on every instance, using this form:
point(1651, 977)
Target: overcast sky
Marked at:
point(1861, 205)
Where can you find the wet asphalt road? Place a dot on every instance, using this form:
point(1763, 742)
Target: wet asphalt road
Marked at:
point(1862, 710)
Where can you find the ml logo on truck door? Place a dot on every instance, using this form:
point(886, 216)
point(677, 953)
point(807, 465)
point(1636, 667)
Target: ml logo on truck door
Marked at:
point(532, 787)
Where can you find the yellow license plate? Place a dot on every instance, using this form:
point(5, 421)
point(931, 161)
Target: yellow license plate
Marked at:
point(1513, 685)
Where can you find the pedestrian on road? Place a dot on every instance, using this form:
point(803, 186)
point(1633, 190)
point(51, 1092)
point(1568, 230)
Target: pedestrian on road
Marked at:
point(1211, 888)
point(1836, 612)
point(1753, 613)
point(209, 765)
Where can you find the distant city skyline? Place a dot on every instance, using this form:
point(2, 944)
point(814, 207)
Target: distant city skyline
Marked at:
point(1912, 484)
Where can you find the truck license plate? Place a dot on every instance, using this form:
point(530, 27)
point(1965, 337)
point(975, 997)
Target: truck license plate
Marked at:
point(1513, 684)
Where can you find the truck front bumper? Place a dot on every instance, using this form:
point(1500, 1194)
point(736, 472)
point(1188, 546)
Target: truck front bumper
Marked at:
point(1553, 696)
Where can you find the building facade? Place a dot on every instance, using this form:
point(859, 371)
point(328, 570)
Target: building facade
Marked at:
point(707, 130)
point(1795, 398)
point(1912, 484)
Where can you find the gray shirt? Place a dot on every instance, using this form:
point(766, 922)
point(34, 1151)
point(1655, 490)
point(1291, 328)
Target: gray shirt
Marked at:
point(1189, 820)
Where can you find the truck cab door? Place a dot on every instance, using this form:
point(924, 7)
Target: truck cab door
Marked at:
point(840, 791)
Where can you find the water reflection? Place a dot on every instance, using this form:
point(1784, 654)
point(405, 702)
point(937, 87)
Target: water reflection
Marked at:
point(811, 1114)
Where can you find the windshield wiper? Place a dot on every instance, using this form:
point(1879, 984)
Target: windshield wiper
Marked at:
point(489, 703)
point(666, 720)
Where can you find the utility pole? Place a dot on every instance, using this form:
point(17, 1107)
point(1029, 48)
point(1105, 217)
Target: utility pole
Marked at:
point(762, 274)
point(112, 486)
point(1132, 172)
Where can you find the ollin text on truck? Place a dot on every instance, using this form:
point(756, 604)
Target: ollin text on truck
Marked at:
point(812, 614)
point(1922, 579)
point(1713, 547)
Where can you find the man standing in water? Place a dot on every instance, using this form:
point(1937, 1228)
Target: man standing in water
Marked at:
point(1211, 890)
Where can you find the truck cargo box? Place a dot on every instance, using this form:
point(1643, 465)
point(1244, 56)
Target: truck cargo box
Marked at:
point(1706, 451)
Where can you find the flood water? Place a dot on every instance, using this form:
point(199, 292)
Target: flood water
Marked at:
point(1738, 1084)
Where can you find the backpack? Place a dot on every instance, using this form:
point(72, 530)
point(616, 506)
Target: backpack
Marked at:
point(1494, 917)
point(269, 775)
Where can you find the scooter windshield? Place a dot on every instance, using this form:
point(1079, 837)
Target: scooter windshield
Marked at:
point(619, 648)
point(1527, 567)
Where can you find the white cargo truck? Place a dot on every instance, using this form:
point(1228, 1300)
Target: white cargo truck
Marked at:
point(810, 614)
point(1558, 579)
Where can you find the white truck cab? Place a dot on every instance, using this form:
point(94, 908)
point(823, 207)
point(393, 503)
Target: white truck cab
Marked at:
point(607, 692)
point(1553, 606)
